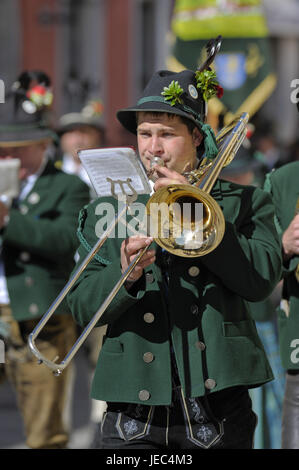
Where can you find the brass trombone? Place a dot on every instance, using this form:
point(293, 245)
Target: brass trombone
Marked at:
point(202, 180)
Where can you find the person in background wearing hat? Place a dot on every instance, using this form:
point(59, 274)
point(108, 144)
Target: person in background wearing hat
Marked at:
point(247, 168)
point(77, 131)
point(181, 349)
point(282, 184)
point(38, 241)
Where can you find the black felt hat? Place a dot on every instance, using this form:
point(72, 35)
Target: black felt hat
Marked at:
point(182, 93)
point(190, 103)
point(24, 114)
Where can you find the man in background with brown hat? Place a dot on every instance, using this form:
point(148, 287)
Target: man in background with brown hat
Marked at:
point(38, 243)
point(181, 349)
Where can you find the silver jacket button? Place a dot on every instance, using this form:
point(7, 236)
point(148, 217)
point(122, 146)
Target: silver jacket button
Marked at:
point(34, 198)
point(29, 281)
point(148, 317)
point(144, 395)
point(23, 209)
point(210, 383)
point(25, 256)
point(193, 271)
point(148, 357)
point(33, 309)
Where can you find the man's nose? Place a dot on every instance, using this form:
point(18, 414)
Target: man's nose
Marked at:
point(156, 146)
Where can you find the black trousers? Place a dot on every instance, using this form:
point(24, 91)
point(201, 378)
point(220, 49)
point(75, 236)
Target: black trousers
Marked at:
point(223, 420)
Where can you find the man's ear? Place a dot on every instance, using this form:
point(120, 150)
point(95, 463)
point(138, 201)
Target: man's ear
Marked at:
point(196, 136)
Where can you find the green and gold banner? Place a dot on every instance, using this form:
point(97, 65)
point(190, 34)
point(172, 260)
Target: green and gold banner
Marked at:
point(243, 64)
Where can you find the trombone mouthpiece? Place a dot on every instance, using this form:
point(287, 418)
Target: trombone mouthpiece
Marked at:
point(152, 175)
point(156, 161)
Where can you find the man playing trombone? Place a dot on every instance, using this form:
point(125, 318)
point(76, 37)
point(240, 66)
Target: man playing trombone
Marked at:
point(181, 349)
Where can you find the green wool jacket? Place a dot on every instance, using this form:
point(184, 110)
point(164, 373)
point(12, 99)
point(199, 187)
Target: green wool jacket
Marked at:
point(283, 185)
point(40, 241)
point(205, 317)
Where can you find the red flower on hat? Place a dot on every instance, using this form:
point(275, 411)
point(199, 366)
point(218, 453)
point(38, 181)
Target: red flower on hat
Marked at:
point(94, 108)
point(219, 91)
point(207, 81)
point(39, 89)
point(40, 96)
point(98, 107)
point(249, 130)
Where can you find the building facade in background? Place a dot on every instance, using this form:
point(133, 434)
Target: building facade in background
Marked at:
point(108, 49)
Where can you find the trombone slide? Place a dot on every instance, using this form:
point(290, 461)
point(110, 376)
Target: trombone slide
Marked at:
point(31, 339)
point(58, 368)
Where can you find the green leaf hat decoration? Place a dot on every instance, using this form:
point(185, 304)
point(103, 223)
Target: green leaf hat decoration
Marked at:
point(207, 82)
point(173, 93)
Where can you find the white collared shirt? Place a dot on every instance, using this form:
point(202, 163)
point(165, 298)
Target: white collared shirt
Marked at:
point(71, 167)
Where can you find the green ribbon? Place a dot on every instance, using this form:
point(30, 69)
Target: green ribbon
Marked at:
point(210, 144)
point(211, 148)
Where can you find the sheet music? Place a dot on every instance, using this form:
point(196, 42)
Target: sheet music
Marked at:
point(116, 164)
point(9, 177)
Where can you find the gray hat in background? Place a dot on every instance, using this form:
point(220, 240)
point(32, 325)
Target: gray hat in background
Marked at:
point(90, 115)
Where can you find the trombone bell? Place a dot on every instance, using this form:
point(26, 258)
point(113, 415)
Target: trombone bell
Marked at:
point(194, 224)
